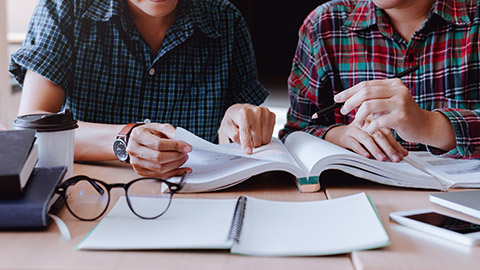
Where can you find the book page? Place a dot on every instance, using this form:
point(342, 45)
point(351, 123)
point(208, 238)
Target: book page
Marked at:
point(318, 155)
point(274, 151)
point(310, 228)
point(453, 172)
point(188, 223)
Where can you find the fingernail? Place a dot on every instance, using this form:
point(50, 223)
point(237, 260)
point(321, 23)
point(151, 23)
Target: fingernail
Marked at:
point(380, 157)
point(248, 150)
point(395, 158)
point(337, 97)
point(187, 149)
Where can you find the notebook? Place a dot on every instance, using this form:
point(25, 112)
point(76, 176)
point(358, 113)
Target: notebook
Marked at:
point(467, 202)
point(247, 226)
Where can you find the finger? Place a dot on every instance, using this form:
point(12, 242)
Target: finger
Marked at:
point(267, 127)
point(374, 108)
point(386, 146)
point(368, 142)
point(246, 139)
point(370, 93)
point(161, 168)
point(161, 130)
point(145, 137)
point(393, 141)
point(356, 147)
point(255, 119)
point(231, 131)
point(347, 94)
point(155, 156)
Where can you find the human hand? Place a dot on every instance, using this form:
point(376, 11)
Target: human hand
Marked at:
point(381, 145)
point(154, 152)
point(389, 104)
point(248, 125)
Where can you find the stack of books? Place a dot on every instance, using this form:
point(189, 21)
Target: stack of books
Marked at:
point(26, 192)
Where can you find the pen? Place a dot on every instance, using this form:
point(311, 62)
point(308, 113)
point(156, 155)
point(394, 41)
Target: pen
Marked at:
point(338, 105)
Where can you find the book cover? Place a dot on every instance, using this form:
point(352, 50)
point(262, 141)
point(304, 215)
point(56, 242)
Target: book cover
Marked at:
point(16, 161)
point(30, 210)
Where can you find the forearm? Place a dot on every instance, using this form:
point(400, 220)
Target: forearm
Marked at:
point(439, 132)
point(95, 141)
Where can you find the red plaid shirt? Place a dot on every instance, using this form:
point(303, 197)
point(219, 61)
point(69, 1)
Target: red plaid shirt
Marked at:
point(345, 42)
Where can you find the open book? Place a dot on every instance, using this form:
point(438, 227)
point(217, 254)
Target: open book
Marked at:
point(246, 226)
point(306, 157)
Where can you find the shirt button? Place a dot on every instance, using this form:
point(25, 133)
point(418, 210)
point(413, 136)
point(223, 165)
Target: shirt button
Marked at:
point(151, 71)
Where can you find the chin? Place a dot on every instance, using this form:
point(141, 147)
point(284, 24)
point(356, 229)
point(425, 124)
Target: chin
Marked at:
point(156, 8)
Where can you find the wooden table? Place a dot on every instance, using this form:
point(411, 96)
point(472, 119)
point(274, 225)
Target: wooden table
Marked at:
point(47, 250)
point(409, 249)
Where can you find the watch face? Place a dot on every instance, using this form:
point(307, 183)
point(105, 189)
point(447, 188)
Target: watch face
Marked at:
point(120, 149)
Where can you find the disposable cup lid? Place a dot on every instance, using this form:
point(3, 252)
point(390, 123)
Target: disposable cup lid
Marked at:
point(46, 122)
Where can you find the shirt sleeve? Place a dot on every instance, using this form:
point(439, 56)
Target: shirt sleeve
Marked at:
point(245, 81)
point(309, 85)
point(466, 126)
point(47, 48)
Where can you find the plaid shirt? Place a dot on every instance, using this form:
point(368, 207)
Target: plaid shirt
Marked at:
point(93, 50)
point(343, 43)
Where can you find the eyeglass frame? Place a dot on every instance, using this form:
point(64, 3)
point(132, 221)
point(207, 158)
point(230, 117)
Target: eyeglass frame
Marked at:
point(62, 191)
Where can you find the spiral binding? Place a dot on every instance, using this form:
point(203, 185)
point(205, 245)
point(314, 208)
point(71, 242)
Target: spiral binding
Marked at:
point(237, 222)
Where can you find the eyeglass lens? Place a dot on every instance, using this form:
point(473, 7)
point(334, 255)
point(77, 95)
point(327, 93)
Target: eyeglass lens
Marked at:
point(85, 201)
point(140, 190)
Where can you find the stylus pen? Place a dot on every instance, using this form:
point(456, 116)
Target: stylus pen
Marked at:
point(338, 105)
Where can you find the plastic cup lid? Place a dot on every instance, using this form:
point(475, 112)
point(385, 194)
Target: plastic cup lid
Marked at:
point(46, 122)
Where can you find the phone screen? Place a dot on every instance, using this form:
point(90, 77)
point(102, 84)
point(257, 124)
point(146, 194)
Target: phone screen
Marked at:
point(446, 222)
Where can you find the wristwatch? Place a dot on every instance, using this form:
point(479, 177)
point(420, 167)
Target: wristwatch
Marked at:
point(120, 143)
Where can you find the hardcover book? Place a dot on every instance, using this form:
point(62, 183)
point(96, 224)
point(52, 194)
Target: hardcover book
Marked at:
point(31, 209)
point(17, 159)
point(306, 157)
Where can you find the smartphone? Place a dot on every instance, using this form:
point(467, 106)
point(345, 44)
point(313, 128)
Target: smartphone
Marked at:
point(454, 229)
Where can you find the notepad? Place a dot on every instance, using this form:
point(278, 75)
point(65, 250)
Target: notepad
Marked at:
point(246, 226)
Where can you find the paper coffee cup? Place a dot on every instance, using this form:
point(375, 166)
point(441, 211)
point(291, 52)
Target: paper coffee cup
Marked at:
point(55, 137)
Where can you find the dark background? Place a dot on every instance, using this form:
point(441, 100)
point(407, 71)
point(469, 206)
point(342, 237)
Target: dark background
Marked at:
point(274, 26)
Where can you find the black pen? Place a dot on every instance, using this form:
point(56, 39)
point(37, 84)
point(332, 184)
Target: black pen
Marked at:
point(338, 105)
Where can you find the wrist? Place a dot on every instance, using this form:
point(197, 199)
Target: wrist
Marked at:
point(439, 132)
point(121, 142)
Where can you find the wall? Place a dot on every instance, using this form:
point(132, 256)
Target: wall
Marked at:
point(4, 86)
point(14, 18)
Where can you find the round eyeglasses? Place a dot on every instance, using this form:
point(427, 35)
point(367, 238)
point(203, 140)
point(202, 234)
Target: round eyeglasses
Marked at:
point(87, 199)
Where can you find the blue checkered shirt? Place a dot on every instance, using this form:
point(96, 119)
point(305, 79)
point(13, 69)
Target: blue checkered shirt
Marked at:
point(93, 50)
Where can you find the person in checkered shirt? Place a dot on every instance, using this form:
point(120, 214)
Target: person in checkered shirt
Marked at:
point(187, 63)
point(348, 50)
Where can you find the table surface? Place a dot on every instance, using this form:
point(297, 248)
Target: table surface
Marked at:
point(409, 249)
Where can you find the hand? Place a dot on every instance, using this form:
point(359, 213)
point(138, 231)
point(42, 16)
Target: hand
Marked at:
point(153, 152)
point(380, 145)
point(389, 105)
point(248, 125)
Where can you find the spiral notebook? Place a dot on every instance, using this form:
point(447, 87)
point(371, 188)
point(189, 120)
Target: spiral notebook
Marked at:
point(246, 226)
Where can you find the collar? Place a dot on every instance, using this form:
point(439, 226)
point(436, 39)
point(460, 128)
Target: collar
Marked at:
point(454, 12)
point(191, 14)
point(365, 14)
point(104, 10)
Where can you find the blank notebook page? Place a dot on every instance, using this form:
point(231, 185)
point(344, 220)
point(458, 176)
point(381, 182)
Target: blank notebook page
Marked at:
point(310, 228)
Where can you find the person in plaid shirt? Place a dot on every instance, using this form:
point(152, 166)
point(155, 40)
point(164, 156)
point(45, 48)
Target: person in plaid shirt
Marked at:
point(187, 63)
point(348, 49)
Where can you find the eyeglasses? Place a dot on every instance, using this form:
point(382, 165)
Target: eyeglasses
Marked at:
point(87, 199)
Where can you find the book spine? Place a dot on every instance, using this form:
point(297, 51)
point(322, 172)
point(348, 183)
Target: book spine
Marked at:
point(237, 221)
point(24, 216)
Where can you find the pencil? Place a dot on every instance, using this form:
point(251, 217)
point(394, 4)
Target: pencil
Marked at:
point(338, 105)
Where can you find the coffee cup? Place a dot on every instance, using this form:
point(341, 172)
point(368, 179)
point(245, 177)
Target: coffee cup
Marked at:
point(55, 137)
